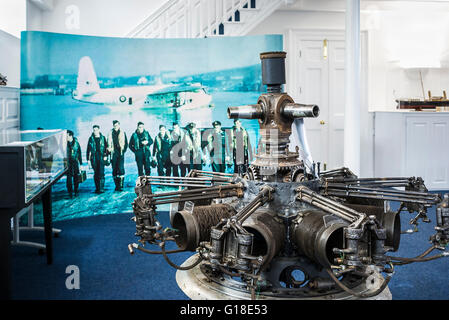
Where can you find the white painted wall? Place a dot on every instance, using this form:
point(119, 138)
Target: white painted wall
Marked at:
point(33, 17)
point(10, 58)
point(282, 20)
point(113, 18)
point(12, 16)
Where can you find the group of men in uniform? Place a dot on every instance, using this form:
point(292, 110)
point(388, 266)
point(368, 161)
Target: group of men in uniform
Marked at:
point(174, 152)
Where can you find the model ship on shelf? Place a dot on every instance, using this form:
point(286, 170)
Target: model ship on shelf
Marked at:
point(437, 103)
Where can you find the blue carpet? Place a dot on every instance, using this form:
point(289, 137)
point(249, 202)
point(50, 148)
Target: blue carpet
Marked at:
point(98, 246)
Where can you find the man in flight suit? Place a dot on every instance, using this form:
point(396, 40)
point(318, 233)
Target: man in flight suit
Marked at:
point(117, 146)
point(161, 151)
point(74, 160)
point(97, 154)
point(140, 144)
point(216, 145)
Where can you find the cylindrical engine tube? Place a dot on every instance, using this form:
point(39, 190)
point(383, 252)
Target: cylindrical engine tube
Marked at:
point(268, 233)
point(317, 234)
point(193, 228)
point(273, 70)
point(297, 110)
point(251, 111)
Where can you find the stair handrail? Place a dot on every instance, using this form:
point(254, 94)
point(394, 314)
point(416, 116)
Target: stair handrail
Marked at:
point(153, 17)
point(211, 16)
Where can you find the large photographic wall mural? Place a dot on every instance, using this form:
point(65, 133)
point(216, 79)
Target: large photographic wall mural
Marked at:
point(77, 82)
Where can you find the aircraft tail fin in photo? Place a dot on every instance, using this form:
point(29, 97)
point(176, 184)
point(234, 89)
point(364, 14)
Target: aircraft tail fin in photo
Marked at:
point(87, 83)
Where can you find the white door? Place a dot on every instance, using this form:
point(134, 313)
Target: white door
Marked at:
point(317, 62)
point(313, 88)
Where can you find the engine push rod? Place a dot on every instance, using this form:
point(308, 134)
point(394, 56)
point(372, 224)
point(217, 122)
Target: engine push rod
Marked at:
point(333, 207)
point(382, 194)
point(234, 190)
point(186, 181)
point(201, 173)
point(379, 184)
point(368, 180)
point(262, 197)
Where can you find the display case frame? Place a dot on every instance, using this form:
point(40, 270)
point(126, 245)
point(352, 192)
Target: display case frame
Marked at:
point(16, 173)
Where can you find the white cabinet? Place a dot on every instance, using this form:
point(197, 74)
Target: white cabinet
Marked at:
point(9, 111)
point(413, 144)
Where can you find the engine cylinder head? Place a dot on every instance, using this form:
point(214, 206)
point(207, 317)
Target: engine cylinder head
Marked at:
point(196, 226)
point(317, 234)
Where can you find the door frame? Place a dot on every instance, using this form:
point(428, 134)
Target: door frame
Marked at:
point(366, 117)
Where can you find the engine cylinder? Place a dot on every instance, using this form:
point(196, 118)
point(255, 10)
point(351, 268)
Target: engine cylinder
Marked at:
point(195, 227)
point(317, 233)
point(390, 220)
point(268, 233)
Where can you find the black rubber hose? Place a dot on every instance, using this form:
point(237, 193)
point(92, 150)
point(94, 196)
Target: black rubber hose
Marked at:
point(424, 259)
point(164, 253)
point(356, 294)
point(422, 255)
point(156, 251)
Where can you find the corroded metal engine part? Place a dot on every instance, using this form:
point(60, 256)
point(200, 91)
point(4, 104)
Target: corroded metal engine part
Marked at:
point(275, 112)
point(391, 220)
point(442, 220)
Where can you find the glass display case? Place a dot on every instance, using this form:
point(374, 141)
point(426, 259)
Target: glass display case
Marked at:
point(30, 161)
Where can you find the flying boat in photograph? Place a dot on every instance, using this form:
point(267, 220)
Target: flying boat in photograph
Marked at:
point(178, 96)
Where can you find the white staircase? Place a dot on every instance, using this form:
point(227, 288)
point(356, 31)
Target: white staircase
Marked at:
point(205, 18)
